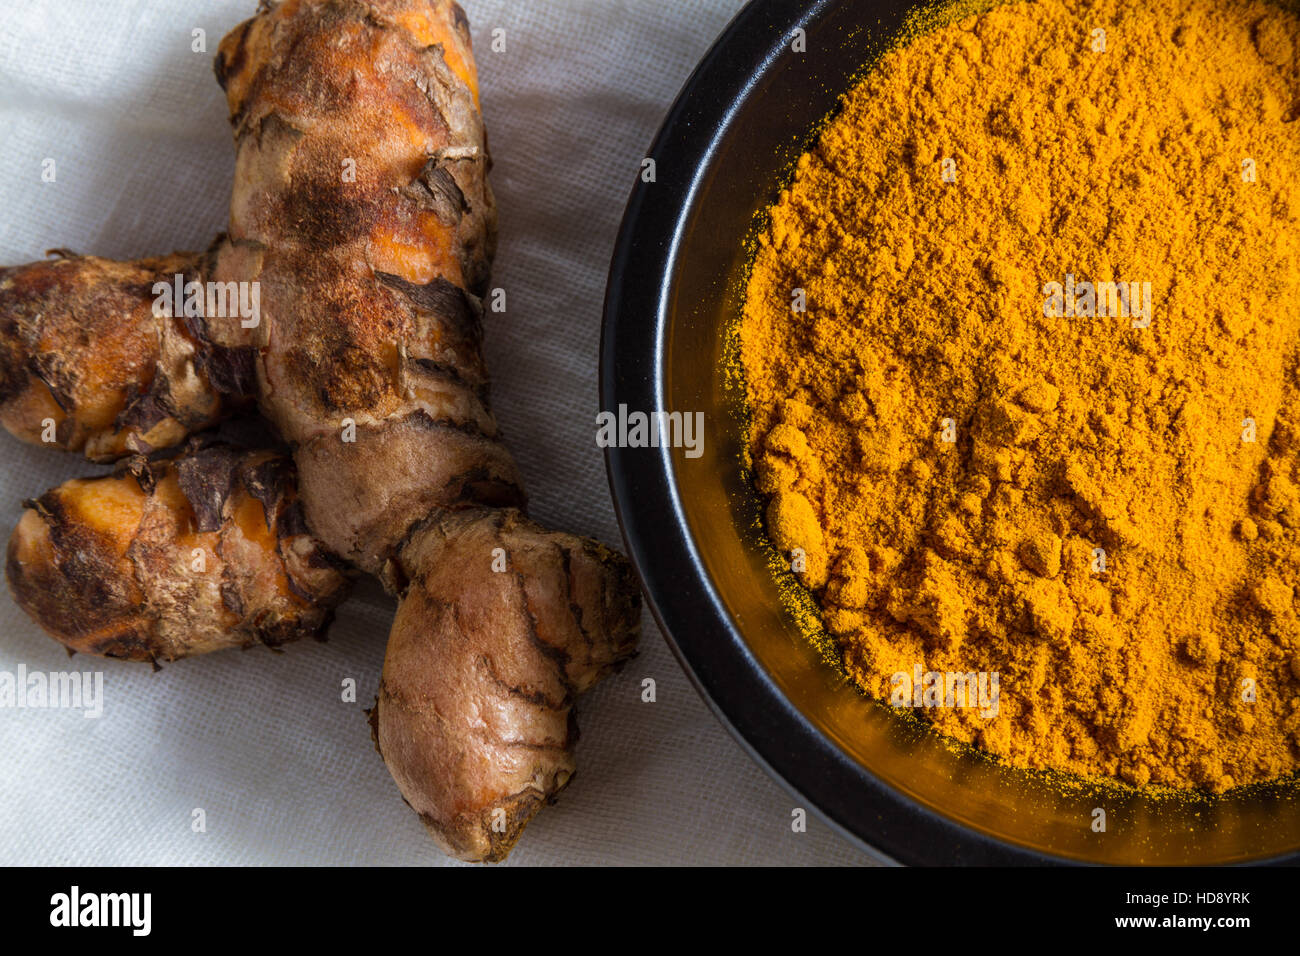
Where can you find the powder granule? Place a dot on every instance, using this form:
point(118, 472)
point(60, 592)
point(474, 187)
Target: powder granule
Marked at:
point(985, 459)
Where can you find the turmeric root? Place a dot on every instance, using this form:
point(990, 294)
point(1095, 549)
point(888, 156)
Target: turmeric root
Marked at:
point(388, 336)
point(362, 212)
point(87, 364)
point(474, 709)
point(166, 559)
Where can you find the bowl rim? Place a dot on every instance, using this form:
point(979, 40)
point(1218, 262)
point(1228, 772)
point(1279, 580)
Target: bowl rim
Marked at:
point(888, 825)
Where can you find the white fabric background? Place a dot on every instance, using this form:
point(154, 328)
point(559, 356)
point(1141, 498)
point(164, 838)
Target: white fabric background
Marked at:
point(284, 770)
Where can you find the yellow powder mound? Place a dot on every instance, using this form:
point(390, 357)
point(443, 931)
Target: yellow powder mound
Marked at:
point(983, 467)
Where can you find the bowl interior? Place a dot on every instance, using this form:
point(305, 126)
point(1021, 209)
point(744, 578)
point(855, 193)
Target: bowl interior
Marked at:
point(692, 522)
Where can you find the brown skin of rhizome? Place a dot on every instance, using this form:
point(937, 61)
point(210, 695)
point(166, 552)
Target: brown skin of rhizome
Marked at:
point(366, 359)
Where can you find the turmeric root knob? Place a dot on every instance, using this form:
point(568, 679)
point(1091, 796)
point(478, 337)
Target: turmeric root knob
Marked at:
point(168, 559)
point(474, 714)
point(86, 365)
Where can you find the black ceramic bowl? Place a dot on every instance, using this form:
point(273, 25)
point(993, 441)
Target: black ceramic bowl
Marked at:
point(747, 112)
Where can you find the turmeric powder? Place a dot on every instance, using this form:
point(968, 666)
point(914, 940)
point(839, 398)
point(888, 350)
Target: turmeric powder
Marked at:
point(1021, 346)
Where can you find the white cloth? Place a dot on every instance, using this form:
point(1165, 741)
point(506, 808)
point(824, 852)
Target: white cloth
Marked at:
point(282, 768)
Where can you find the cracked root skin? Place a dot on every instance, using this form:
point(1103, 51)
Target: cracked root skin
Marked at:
point(369, 289)
point(474, 716)
point(371, 281)
point(82, 351)
point(168, 559)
